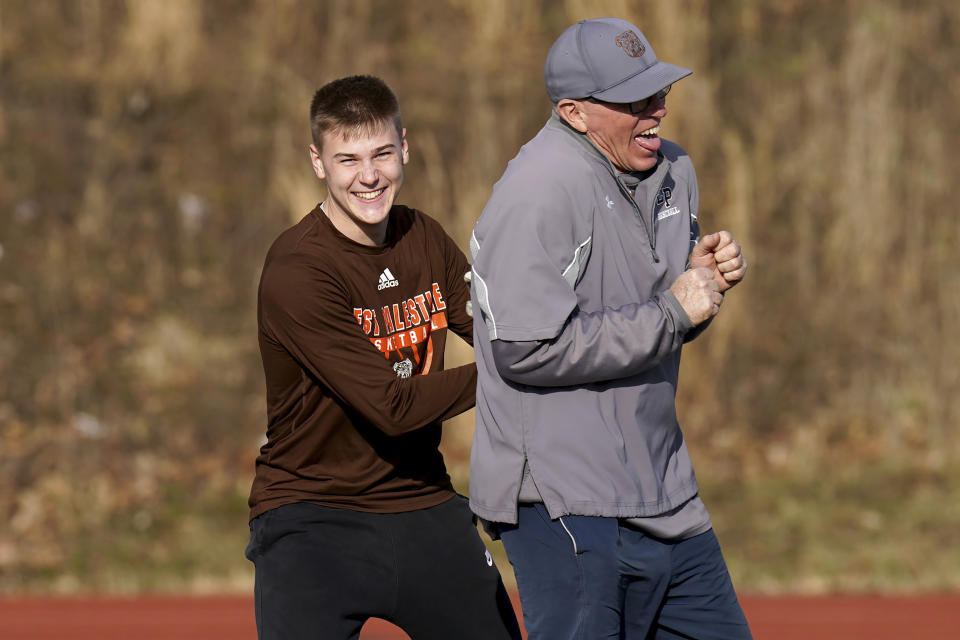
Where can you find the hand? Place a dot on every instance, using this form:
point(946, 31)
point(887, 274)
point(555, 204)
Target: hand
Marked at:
point(720, 253)
point(698, 292)
point(467, 278)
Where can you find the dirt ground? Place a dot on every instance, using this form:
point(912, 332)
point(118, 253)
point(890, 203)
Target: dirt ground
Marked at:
point(231, 618)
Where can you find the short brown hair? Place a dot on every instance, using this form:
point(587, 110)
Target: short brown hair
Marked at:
point(359, 103)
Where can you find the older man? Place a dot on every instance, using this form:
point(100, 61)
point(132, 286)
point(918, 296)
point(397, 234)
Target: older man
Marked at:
point(589, 274)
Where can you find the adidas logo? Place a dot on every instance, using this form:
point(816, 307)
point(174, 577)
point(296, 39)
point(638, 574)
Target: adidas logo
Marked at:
point(387, 280)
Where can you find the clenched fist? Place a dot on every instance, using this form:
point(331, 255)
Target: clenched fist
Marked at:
point(698, 293)
point(720, 253)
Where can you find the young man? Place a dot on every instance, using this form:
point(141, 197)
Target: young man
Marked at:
point(352, 511)
point(578, 460)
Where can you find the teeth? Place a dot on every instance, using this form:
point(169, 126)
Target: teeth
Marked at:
point(651, 132)
point(368, 195)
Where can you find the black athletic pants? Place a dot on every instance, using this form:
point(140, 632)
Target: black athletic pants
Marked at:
point(321, 572)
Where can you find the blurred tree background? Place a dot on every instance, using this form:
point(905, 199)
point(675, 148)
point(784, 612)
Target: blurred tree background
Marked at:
point(151, 150)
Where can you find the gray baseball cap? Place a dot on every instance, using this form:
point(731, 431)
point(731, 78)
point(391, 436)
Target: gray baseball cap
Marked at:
point(608, 59)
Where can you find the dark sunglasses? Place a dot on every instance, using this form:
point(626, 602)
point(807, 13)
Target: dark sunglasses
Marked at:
point(640, 106)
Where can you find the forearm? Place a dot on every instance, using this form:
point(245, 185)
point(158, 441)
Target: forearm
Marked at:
point(418, 401)
point(597, 346)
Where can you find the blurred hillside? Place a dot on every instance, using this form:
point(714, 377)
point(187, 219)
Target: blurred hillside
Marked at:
point(150, 152)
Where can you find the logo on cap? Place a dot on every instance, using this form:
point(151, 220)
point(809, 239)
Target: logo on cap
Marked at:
point(630, 43)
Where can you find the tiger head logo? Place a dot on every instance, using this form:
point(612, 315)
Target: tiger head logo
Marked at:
point(404, 368)
point(631, 44)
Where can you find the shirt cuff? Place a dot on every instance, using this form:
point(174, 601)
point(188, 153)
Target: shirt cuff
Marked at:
point(683, 320)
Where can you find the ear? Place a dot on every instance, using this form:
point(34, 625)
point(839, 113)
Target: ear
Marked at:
point(317, 162)
point(573, 113)
point(404, 147)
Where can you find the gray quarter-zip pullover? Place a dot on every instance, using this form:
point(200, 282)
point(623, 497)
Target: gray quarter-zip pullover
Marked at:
point(577, 335)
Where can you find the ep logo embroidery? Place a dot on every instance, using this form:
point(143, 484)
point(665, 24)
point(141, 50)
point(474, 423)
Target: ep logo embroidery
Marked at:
point(663, 200)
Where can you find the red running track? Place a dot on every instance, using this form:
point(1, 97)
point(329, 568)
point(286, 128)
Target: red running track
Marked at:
point(231, 618)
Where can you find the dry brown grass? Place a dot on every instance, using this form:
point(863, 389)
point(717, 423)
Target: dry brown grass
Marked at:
point(151, 151)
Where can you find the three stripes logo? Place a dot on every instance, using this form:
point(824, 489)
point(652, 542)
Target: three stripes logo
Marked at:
point(387, 280)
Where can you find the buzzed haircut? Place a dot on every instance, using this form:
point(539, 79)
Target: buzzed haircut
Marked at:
point(360, 104)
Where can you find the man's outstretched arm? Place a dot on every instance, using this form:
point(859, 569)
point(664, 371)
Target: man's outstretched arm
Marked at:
point(306, 313)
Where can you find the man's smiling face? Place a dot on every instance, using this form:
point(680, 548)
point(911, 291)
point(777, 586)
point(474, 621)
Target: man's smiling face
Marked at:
point(363, 170)
point(629, 140)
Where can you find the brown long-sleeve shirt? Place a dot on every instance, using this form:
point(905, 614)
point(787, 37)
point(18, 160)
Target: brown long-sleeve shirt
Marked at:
point(352, 339)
